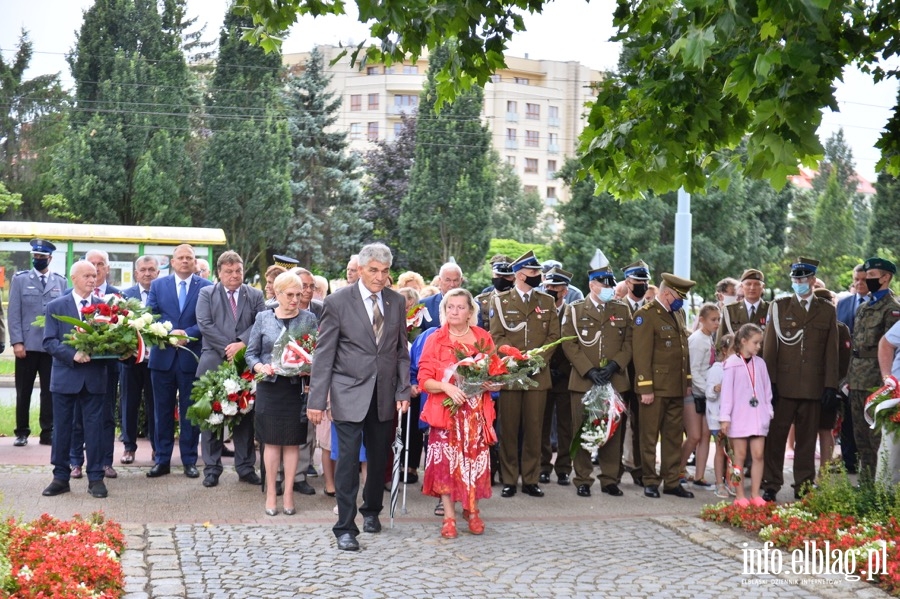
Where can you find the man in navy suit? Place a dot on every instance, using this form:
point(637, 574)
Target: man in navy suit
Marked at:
point(75, 380)
point(172, 371)
point(134, 378)
point(846, 313)
point(451, 277)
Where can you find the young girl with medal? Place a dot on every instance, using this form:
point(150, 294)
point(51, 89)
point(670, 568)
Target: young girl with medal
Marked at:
point(745, 409)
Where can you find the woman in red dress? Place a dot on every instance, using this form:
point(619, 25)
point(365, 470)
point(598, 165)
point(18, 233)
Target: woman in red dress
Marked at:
point(457, 466)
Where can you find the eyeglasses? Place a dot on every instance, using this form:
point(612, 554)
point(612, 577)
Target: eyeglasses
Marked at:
point(290, 296)
point(308, 286)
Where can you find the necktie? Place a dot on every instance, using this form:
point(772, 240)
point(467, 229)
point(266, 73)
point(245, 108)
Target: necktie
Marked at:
point(143, 297)
point(377, 318)
point(752, 313)
point(83, 305)
point(43, 281)
point(805, 304)
point(182, 295)
point(526, 297)
point(97, 291)
point(859, 304)
point(233, 304)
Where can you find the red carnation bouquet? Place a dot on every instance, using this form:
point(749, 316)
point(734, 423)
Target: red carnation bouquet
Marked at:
point(603, 410)
point(222, 397)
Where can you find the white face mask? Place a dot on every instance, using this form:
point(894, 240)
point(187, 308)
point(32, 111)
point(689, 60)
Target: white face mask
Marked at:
point(728, 299)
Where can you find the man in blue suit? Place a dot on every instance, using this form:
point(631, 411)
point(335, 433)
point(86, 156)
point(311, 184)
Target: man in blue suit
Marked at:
point(172, 371)
point(846, 313)
point(75, 380)
point(451, 277)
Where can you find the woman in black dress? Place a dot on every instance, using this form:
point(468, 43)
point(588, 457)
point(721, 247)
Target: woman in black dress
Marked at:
point(280, 411)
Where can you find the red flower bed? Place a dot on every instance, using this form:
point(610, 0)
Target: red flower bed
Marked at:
point(64, 559)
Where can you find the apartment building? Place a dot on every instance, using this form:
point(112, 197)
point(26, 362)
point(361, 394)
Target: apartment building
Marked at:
point(534, 110)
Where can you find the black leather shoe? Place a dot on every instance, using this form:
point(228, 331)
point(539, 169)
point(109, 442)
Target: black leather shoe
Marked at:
point(21, 441)
point(651, 492)
point(159, 470)
point(191, 471)
point(508, 491)
point(638, 478)
point(533, 490)
point(769, 496)
point(46, 440)
point(347, 542)
point(563, 479)
point(371, 524)
point(304, 488)
point(57, 487)
point(97, 489)
point(612, 489)
point(210, 480)
point(251, 479)
point(679, 491)
point(544, 478)
point(584, 490)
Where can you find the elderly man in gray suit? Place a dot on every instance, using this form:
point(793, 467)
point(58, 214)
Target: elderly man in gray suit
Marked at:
point(225, 314)
point(362, 360)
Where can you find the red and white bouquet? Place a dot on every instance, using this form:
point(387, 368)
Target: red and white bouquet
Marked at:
point(414, 317)
point(882, 407)
point(222, 397)
point(603, 410)
point(293, 352)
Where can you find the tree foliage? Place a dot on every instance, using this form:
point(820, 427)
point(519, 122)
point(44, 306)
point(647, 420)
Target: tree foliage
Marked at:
point(516, 213)
point(884, 229)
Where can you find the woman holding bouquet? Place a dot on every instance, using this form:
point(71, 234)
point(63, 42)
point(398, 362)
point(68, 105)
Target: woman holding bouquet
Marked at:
point(280, 415)
point(457, 462)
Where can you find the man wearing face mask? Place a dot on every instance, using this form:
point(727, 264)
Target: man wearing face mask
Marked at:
point(873, 319)
point(752, 309)
point(726, 292)
point(573, 293)
point(800, 349)
point(663, 369)
point(525, 318)
point(600, 354)
point(502, 279)
point(637, 282)
point(29, 294)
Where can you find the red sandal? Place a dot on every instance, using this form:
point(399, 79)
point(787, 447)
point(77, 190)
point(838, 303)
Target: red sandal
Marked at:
point(448, 530)
point(476, 524)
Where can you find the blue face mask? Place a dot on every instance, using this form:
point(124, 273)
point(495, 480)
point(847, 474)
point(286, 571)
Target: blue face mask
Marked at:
point(676, 305)
point(606, 294)
point(800, 289)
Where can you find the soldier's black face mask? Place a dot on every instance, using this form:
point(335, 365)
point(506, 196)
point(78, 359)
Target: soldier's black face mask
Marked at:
point(40, 264)
point(639, 290)
point(501, 284)
point(873, 284)
point(534, 281)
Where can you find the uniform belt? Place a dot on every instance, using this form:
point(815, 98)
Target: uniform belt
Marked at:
point(865, 353)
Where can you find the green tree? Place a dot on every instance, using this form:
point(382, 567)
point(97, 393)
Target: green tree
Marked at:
point(248, 199)
point(884, 229)
point(328, 224)
point(451, 190)
point(516, 213)
point(833, 231)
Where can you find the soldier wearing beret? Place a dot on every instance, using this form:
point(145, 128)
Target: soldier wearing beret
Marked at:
point(663, 370)
point(873, 319)
point(752, 309)
point(637, 282)
point(526, 319)
point(29, 294)
point(800, 349)
point(600, 354)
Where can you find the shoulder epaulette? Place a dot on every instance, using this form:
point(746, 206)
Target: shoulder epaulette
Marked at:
point(21, 272)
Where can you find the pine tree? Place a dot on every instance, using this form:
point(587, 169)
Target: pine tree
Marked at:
point(327, 223)
point(451, 192)
point(833, 240)
point(885, 224)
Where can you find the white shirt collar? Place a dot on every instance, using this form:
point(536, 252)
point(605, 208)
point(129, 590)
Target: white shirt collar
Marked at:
point(748, 305)
point(364, 291)
point(179, 280)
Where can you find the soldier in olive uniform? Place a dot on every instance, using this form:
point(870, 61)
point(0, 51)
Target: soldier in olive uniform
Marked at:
point(637, 282)
point(752, 309)
point(663, 370)
point(600, 354)
point(502, 279)
point(524, 318)
point(556, 285)
point(800, 349)
point(29, 294)
point(873, 319)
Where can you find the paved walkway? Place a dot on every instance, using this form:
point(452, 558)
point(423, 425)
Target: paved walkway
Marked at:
point(191, 542)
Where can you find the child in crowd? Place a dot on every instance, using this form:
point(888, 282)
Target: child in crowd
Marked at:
point(745, 409)
point(702, 355)
point(714, 376)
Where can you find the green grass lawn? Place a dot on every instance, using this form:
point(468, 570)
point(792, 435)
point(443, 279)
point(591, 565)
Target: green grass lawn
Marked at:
point(7, 366)
point(8, 421)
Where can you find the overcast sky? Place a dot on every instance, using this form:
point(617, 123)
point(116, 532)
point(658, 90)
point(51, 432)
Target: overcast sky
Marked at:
point(566, 30)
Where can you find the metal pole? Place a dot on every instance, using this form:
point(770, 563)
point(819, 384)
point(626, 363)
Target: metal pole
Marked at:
point(682, 264)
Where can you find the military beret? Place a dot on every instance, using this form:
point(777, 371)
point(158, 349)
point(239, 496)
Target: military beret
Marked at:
point(526, 260)
point(752, 273)
point(880, 264)
point(804, 267)
point(41, 246)
point(639, 270)
point(285, 262)
point(677, 284)
point(557, 276)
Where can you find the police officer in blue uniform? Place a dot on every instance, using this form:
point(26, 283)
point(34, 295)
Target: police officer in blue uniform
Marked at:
point(29, 294)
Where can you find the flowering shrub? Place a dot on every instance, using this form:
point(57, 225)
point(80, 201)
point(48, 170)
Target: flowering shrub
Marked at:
point(61, 559)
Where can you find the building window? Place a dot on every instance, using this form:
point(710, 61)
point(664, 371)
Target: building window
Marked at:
point(512, 106)
point(511, 161)
point(371, 70)
point(356, 102)
point(551, 169)
point(406, 100)
point(410, 69)
point(551, 193)
point(372, 134)
point(531, 165)
point(530, 189)
point(553, 143)
point(553, 116)
point(531, 139)
point(373, 101)
point(533, 111)
point(355, 131)
point(495, 79)
point(520, 80)
point(388, 70)
point(511, 134)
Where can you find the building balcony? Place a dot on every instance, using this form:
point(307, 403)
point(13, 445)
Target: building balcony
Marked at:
point(512, 117)
point(553, 149)
point(512, 144)
point(395, 110)
point(553, 121)
point(551, 175)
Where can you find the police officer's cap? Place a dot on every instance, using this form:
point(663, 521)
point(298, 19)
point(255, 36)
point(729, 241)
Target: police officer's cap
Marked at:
point(557, 276)
point(526, 260)
point(502, 269)
point(753, 274)
point(677, 284)
point(285, 262)
point(639, 271)
point(880, 264)
point(604, 274)
point(804, 267)
point(547, 265)
point(41, 246)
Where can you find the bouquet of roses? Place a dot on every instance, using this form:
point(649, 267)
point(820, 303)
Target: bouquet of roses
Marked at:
point(603, 409)
point(292, 354)
point(223, 396)
point(881, 407)
point(734, 472)
point(414, 318)
point(117, 328)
